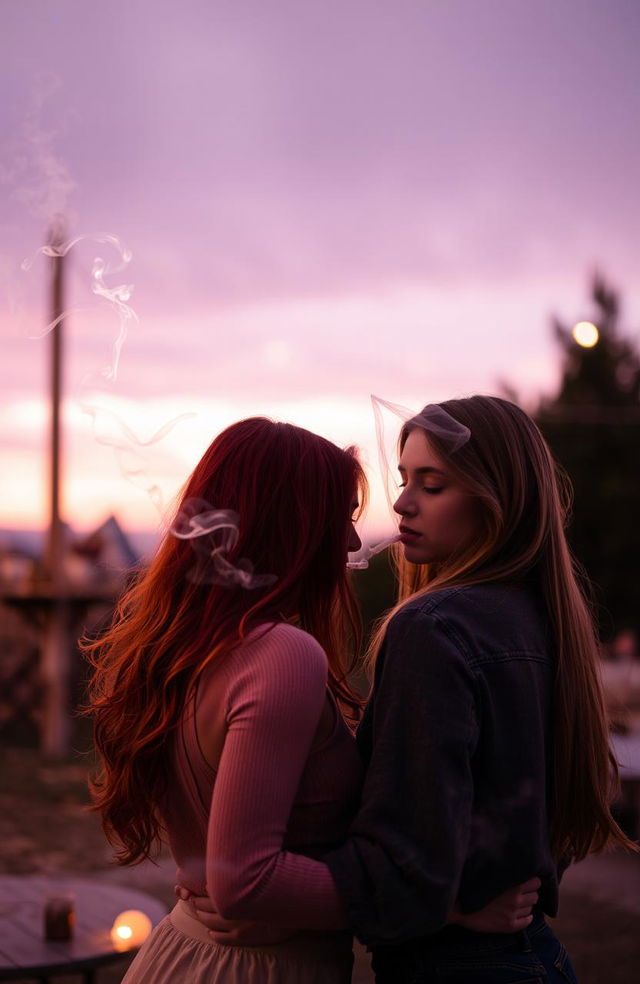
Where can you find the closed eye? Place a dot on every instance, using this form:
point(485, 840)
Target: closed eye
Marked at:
point(429, 489)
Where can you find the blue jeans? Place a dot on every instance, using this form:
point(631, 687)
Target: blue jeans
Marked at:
point(459, 956)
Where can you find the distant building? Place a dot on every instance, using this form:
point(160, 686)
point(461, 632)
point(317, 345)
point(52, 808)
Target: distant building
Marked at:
point(96, 567)
point(105, 554)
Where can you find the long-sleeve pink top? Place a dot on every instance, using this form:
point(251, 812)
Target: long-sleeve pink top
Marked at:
point(248, 827)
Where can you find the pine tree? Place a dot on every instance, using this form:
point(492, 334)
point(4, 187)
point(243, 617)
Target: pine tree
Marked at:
point(593, 427)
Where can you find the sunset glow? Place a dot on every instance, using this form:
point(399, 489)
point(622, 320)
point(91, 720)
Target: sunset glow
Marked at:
point(280, 211)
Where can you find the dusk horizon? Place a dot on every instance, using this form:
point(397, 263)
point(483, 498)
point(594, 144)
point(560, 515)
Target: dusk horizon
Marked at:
point(282, 211)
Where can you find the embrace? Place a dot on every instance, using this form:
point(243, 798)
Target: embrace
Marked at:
point(435, 822)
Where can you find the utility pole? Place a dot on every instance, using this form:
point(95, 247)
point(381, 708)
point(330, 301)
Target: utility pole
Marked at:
point(54, 545)
point(56, 654)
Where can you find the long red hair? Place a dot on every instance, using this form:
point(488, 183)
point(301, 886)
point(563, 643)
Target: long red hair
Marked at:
point(294, 493)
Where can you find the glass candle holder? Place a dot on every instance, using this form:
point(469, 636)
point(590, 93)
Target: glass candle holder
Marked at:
point(59, 917)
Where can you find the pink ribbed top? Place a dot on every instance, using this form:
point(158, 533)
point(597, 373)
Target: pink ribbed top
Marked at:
point(285, 786)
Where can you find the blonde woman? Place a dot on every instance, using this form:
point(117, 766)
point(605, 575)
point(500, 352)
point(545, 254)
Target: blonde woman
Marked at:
point(484, 742)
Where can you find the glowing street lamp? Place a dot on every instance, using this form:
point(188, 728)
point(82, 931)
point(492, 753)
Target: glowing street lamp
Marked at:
point(585, 334)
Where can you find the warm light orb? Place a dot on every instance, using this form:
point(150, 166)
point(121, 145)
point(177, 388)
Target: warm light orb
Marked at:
point(130, 929)
point(586, 334)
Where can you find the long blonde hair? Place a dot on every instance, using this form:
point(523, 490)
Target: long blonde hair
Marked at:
point(525, 499)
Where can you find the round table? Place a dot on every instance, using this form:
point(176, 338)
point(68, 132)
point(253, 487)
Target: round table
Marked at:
point(626, 749)
point(24, 952)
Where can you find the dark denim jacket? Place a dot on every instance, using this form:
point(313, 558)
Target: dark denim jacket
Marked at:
point(456, 742)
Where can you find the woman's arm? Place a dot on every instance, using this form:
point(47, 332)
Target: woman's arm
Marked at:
point(274, 705)
point(401, 867)
point(508, 913)
point(399, 818)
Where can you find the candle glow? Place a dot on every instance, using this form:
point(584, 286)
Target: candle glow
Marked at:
point(130, 929)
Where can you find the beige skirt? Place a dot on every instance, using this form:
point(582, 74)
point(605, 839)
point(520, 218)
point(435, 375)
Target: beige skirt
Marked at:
point(180, 951)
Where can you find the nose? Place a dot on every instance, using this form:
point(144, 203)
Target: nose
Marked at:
point(403, 505)
point(354, 542)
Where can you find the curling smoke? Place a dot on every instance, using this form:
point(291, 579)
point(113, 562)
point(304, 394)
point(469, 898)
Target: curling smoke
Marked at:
point(116, 296)
point(214, 533)
point(39, 175)
point(361, 559)
point(131, 451)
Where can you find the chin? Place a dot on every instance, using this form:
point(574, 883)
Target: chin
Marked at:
point(413, 555)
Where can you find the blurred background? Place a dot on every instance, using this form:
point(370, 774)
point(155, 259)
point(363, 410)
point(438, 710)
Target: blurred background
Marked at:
point(215, 210)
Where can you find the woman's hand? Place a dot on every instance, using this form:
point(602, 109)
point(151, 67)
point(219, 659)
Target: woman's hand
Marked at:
point(201, 908)
point(229, 931)
point(508, 913)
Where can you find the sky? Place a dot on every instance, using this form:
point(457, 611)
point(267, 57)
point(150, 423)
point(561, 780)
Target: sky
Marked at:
point(281, 208)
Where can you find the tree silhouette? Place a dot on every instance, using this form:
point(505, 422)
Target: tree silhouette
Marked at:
point(593, 427)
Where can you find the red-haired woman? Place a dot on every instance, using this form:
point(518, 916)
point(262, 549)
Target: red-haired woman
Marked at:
point(219, 699)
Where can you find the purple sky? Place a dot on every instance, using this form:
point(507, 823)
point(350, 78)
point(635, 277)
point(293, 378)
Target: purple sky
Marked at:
point(321, 200)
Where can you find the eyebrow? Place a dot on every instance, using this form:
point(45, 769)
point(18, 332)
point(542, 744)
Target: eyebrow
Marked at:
point(424, 470)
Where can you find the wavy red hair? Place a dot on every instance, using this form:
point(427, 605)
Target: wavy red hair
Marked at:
point(294, 493)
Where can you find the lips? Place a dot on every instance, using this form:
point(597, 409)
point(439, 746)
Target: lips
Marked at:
point(407, 535)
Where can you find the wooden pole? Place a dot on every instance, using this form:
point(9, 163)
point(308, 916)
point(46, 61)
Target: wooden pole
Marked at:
point(56, 654)
point(54, 546)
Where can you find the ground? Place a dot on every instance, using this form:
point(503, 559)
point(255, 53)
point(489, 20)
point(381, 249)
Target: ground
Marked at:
point(45, 828)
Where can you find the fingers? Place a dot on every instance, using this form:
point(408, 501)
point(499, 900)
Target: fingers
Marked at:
point(528, 892)
point(202, 903)
point(530, 886)
point(524, 912)
point(515, 899)
point(199, 903)
point(527, 900)
point(519, 891)
point(521, 922)
point(527, 895)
